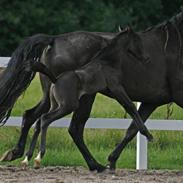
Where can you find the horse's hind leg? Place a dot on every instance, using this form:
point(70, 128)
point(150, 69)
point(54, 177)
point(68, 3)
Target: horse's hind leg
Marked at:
point(29, 118)
point(76, 130)
point(145, 111)
point(37, 130)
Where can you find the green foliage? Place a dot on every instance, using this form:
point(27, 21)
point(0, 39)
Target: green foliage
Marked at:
point(19, 18)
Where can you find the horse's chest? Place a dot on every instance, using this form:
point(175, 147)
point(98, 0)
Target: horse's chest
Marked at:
point(147, 90)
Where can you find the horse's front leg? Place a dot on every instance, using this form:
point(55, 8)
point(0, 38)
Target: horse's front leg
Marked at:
point(121, 96)
point(145, 111)
point(76, 130)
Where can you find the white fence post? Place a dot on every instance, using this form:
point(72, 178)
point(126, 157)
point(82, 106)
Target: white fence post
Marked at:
point(4, 61)
point(141, 151)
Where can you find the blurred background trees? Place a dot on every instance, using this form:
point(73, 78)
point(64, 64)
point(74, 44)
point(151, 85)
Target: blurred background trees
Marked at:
point(21, 18)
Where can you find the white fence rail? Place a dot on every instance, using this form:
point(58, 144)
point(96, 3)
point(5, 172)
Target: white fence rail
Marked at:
point(106, 123)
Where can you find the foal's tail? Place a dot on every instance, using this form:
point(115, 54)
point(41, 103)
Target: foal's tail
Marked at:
point(20, 71)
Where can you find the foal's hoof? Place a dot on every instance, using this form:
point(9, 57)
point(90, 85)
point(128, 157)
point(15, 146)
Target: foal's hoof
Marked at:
point(99, 168)
point(111, 166)
point(24, 164)
point(37, 164)
point(11, 155)
point(110, 170)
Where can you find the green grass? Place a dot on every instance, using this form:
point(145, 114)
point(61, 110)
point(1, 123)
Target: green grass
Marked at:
point(165, 152)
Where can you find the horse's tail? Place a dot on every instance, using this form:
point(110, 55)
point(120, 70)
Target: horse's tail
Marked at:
point(20, 72)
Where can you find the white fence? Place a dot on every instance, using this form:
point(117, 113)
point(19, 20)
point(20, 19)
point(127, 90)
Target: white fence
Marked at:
point(106, 123)
point(4, 61)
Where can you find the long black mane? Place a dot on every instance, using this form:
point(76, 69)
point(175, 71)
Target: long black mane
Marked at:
point(176, 23)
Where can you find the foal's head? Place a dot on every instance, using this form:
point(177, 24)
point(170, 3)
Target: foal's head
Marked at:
point(129, 43)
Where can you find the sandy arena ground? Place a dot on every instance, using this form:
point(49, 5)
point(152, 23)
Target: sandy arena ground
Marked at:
point(81, 175)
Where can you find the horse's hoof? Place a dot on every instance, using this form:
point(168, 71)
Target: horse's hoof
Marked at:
point(37, 164)
point(111, 168)
point(99, 168)
point(11, 155)
point(7, 156)
point(108, 170)
point(24, 165)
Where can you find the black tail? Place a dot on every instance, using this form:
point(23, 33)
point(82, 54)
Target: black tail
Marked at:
point(19, 72)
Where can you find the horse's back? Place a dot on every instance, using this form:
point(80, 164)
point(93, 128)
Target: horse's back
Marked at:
point(73, 50)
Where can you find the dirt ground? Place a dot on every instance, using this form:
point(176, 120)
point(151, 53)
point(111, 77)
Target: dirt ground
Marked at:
point(82, 175)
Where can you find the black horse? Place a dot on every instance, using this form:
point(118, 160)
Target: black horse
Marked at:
point(112, 72)
point(65, 52)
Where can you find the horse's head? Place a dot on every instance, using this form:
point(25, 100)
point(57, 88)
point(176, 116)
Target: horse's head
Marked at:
point(131, 44)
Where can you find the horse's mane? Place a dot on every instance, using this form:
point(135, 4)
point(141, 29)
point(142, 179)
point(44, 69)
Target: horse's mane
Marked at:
point(176, 19)
point(174, 23)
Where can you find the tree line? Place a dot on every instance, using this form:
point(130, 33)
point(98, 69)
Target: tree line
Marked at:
point(22, 18)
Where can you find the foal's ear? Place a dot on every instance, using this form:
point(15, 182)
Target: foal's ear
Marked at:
point(120, 29)
point(129, 29)
point(81, 74)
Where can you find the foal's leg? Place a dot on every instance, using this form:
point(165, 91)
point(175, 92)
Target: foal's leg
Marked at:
point(76, 130)
point(120, 95)
point(29, 118)
point(145, 111)
point(37, 130)
point(46, 120)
